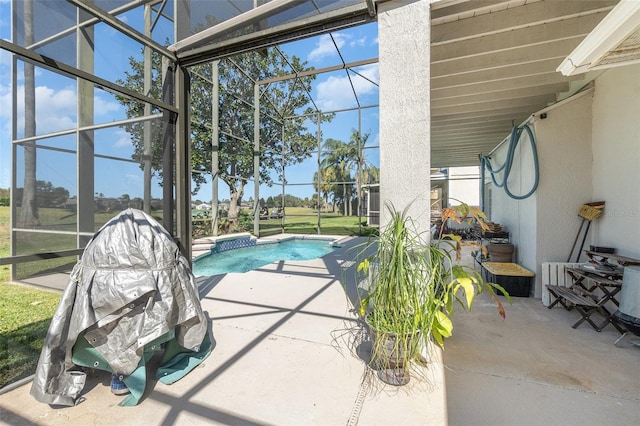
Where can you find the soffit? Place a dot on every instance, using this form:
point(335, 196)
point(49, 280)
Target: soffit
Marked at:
point(615, 41)
point(493, 64)
point(627, 51)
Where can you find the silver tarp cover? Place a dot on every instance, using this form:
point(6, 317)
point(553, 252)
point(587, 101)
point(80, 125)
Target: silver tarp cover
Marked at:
point(130, 287)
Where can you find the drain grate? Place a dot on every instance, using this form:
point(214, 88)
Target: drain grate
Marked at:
point(357, 406)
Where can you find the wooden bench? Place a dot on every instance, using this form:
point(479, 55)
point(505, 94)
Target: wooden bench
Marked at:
point(570, 299)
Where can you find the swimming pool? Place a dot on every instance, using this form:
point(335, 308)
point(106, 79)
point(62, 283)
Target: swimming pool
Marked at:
point(250, 258)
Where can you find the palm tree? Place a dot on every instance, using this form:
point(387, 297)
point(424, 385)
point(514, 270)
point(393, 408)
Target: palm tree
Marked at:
point(337, 156)
point(366, 173)
point(325, 187)
point(344, 157)
point(29, 207)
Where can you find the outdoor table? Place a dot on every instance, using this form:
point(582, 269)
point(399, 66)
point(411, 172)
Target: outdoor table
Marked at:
point(595, 284)
point(601, 286)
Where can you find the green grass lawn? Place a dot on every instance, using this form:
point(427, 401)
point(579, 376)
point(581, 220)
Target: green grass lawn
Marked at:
point(25, 318)
point(300, 220)
point(25, 315)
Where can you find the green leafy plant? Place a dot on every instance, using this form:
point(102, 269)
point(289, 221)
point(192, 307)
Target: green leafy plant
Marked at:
point(414, 287)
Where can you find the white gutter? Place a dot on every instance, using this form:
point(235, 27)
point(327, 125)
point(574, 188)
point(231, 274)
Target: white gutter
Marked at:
point(616, 27)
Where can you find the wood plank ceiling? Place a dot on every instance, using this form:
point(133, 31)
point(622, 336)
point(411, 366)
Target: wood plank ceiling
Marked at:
point(493, 64)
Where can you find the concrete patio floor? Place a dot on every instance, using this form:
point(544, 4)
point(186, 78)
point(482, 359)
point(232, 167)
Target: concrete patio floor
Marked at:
point(287, 353)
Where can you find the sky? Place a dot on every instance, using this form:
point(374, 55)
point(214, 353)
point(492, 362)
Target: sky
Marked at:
point(56, 109)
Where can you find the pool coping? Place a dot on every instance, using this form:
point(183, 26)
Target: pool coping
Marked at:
point(203, 246)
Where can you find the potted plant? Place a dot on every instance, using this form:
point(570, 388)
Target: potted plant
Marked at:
point(413, 286)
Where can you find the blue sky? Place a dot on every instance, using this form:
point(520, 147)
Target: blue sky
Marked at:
point(56, 109)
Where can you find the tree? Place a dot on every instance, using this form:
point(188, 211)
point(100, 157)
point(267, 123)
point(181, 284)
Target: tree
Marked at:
point(292, 201)
point(50, 196)
point(29, 207)
point(270, 202)
point(339, 159)
point(314, 202)
point(327, 177)
point(281, 106)
point(367, 173)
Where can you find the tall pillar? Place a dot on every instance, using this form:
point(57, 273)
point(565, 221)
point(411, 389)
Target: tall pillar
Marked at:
point(405, 117)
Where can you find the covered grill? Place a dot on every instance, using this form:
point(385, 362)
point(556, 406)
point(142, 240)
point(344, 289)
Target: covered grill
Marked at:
point(131, 293)
point(628, 313)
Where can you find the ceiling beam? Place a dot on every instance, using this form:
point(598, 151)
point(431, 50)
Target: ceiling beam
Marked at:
point(467, 149)
point(473, 98)
point(506, 112)
point(446, 10)
point(470, 127)
point(498, 74)
point(533, 103)
point(556, 49)
point(467, 155)
point(577, 27)
point(476, 144)
point(509, 84)
point(494, 135)
point(527, 15)
point(471, 131)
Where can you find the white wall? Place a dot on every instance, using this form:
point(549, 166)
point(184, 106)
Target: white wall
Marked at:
point(565, 184)
point(589, 150)
point(616, 159)
point(464, 185)
point(564, 150)
point(518, 216)
point(544, 226)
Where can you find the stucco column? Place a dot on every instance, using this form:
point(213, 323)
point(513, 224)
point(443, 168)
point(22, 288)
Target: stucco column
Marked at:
point(404, 57)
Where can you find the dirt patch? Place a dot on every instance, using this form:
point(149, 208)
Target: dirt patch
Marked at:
point(559, 378)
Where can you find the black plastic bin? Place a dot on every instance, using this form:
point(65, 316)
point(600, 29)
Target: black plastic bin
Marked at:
point(515, 279)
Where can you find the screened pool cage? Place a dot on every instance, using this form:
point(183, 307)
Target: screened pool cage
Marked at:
point(119, 104)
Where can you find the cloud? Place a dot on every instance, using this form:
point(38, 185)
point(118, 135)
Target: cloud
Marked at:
point(5, 61)
point(105, 106)
point(336, 93)
point(123, 138)
point(130, 178)
point(55, 108)
point(325, 47)
point(361, 42)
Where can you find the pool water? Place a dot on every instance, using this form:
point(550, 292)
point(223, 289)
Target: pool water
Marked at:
point(250, 258)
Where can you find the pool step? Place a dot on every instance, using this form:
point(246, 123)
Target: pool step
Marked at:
point(201, 247)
